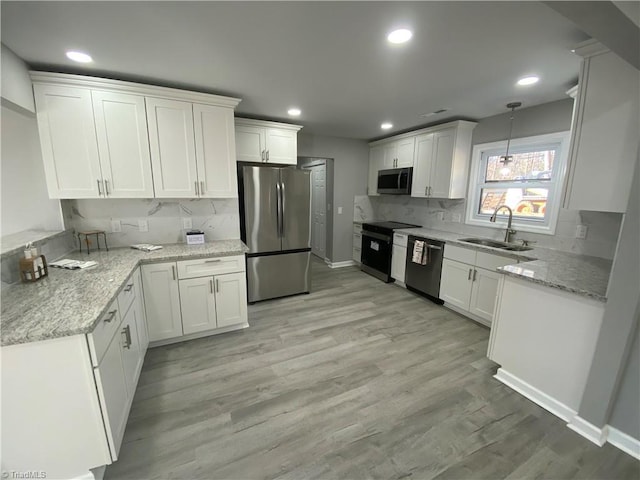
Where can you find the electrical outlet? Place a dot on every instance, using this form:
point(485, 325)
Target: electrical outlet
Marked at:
point(187, 223)
point(441, 216)
point(581, 231)
point(456, 218)
point(339, 210)
point(116, 226)
point(143, 225)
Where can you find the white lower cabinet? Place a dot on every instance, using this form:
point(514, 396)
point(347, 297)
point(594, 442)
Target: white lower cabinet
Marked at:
point(469, 282)
point(162, 301)
point(399, 256)
point(194, 297)
point(357, 242)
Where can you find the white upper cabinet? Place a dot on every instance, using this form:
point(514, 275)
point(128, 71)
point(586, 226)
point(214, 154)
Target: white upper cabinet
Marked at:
point(215, 151)
point(110, 139)
point(68, 141)
point(604, 139)
point(441, 165)
point(173, 153)
point(123, 144)
point(439, 155)
point(266, 142)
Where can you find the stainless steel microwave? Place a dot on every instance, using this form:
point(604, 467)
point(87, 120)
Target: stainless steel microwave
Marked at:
point(395, 181)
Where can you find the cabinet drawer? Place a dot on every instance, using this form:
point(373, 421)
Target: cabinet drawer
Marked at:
point(491, 262)
point(357, 240)
point(204, 267)
point(127, 295)
point(460, 254)
point(357, 228)
point(102, 334)
point(400, 239)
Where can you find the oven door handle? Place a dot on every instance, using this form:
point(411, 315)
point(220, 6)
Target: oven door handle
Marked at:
point(377, 236)
point(432, 247)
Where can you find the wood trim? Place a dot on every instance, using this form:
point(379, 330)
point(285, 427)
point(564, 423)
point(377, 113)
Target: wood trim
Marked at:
point(347, 263)
point(265, 123)
point(588, 430)
point(193, 336)
point(120, 86)
point(624, 442)
point(589, 48)
point(536, 396)
point(431, 129)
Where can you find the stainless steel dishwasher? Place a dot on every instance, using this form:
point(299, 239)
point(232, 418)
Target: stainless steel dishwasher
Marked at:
point(425, 279)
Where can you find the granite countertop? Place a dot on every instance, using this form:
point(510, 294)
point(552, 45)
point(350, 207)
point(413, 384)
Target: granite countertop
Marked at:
point(16, 242)
point(71, 302)
point(580, 274)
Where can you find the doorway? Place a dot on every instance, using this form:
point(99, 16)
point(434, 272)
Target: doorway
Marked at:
point(320, 204)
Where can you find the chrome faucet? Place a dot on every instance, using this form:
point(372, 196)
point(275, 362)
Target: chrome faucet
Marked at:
point(509, 232)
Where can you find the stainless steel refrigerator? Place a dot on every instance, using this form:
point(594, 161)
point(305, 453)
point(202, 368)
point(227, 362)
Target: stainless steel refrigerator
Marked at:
point(275, 223)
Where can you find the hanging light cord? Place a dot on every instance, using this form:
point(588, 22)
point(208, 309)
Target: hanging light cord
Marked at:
point(506, 158)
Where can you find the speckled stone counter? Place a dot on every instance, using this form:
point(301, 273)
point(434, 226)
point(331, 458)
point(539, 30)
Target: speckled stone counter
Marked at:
point(16, 242)
point(71, 302)
point(579, 274)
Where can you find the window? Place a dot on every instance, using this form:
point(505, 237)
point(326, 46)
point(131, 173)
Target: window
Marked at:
point(530, 183)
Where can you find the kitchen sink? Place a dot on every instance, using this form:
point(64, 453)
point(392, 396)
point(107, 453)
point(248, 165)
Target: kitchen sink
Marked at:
point(496, 244)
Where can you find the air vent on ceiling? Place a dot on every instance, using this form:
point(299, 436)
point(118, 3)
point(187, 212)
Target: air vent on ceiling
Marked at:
point(437, 112)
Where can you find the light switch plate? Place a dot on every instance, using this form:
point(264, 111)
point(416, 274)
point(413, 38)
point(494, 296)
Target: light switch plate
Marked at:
point(116, 226)
point(339, 210)
point(456, 218)
point(143, 225)
point(187, 223)
point(581, 231)
point(441, 216)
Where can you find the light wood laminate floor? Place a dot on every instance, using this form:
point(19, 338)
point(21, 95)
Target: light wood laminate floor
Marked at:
point(359, 379)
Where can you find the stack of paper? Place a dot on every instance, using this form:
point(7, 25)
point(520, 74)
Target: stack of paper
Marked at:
point(72, 264)
point(146, 247)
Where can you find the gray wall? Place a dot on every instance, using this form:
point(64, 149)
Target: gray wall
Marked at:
point(606, 385)
point(546, 118)
point(351, 166)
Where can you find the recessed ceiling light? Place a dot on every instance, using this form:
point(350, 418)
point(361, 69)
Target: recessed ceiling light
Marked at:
point(79, 57)
point(294, 112)
point(528, 80)
point(400, 36)
point(386, 126)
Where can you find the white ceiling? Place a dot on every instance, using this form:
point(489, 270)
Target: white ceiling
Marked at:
point(331, 59)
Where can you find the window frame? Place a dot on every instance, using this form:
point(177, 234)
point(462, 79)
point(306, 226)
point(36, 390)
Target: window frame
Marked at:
point(481, 152)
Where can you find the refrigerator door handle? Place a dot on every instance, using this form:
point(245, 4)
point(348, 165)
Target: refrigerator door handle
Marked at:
point(279, 208)
point(283, 205)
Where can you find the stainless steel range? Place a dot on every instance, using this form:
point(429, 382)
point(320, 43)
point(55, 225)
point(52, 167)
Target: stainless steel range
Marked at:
point(377, 245)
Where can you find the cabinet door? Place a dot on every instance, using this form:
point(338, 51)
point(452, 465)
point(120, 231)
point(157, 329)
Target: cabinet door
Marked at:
point(215, 151)
point(443, 145)
point(68, 141)
point(162, 301)
point(390, 155)
point(282, 146)
point(398, 262)
point(138, 304)
point(483, 293)
point(422, 165)
point(455, 283)
point(113, 393)
point(405, 151)
point(198, 304)
point(132, 353)
point(376, 162)
point(171, 139)
point(123, 143)
point(250, 143)
point(231, 299)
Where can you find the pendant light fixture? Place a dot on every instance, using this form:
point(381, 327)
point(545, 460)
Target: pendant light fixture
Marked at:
point(506, 158)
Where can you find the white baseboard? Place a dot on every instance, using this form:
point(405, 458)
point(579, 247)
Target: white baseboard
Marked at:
point(624, 442)
point(532, 393)
point(348, 263)
point(588, 430)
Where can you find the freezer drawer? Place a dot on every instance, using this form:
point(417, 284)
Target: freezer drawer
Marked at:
point(273, 276)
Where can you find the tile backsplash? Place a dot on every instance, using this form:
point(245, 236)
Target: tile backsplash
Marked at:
point(217, 218)
point(601, 238)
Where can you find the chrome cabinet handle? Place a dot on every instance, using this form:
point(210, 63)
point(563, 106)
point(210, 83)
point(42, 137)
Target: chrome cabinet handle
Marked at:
point(201, 187)
point(111, 316)
point(128, 287)
point(263, 155)
point(196, 184)
point(173, 270)
point(474, 274)
point(99, 190)
point(127, 335)
point(469, 276)
point(217, 285)
point(267, 155)
point(211, 284)
point(213, 261)
point(106, 188)
point(426, 191)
